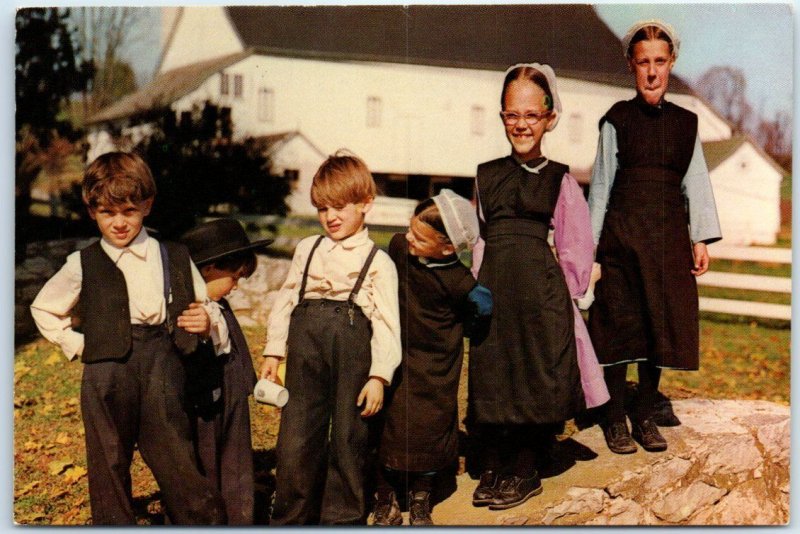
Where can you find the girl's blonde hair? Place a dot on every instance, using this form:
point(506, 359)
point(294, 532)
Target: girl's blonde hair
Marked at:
point(650, 33)
point(533, 75)
point(341, 179)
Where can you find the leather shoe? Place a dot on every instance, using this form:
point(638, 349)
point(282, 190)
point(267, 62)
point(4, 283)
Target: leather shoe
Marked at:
point(487, 486)
point(647, 434)
point(387, 511)
point(514, 491)
point(419, 508)
point(618, 438)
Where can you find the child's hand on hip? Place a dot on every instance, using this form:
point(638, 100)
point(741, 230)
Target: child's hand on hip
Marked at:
point(269, 369)
point(371, 397)
point(195, 320)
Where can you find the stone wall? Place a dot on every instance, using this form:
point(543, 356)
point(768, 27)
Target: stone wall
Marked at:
point(43, 260)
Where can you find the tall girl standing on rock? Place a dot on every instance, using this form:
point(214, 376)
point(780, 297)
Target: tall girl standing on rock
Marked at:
point(649, 168)
point(524, 376)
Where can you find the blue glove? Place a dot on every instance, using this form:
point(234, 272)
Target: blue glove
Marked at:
point(482, 298)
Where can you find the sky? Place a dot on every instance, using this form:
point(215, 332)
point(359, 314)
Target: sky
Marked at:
point(754, 37)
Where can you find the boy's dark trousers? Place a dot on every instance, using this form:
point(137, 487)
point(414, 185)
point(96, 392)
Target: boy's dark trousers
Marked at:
point(140, 400)
point(224, 446)
point(320, 479)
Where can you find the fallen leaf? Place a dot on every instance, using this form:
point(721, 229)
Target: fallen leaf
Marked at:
point(31, 446)
point(29, 517)
point(27, 488)
point(74, 401)
point(63, 439)
point(58, 493)
point(74, 474)
point(57, 467)
point(54, 359)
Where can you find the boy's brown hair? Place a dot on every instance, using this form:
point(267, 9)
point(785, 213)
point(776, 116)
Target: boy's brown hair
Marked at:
point(341, 179)
point(117, 178)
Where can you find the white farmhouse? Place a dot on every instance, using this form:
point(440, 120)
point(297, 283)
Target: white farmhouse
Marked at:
point(412, 90)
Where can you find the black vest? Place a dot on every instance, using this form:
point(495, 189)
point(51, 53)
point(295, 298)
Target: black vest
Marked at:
point(653, 137)
point(104, 309)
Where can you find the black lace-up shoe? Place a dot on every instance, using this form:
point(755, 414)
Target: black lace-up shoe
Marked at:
point(618, 438)
point(647, 434)
point(387, 511)
point(514, 491)
point(419, 508)
point(487, 486)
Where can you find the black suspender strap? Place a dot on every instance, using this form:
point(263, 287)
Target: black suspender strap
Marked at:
point(308, 264)
point(351, 300)
point(167, 286)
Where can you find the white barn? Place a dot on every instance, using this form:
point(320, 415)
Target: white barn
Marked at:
point(412, 90)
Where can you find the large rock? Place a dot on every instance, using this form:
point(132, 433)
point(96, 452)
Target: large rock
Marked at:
point(727, 464)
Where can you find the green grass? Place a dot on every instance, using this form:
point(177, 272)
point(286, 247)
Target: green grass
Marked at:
point(737, 361)
point(745, 294)
point(750, 267)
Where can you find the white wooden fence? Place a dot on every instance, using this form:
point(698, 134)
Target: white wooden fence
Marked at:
point(751, 282)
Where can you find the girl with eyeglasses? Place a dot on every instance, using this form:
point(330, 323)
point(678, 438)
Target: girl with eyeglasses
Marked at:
point(526, 372)
point(653, 213)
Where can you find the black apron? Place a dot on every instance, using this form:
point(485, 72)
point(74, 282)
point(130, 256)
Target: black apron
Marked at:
point(526, 370)
point(646, 305)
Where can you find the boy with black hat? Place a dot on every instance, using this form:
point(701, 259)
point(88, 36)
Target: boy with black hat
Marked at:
point(218, 386)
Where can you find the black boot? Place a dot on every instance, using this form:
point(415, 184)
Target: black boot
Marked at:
point(487, 486)
point(387, 511)
point(419, 508)
point(647, 434)
point(514, 491)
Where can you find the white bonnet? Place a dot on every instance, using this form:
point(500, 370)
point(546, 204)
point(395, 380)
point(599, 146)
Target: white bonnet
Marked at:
point(550, 75)
point(663, 26)
point(459, 218)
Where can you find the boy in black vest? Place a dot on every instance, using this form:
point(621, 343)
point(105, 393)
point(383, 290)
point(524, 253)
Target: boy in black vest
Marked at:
point(218, 386)
point(140, 312)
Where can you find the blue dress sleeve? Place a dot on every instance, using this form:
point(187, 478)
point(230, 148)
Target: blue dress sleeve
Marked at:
point(696, 188)
point(603, 172)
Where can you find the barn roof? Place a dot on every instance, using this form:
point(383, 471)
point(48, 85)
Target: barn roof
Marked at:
point(716, 152)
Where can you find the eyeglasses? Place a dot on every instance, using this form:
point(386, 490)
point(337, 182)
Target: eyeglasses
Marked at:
point(510, 118)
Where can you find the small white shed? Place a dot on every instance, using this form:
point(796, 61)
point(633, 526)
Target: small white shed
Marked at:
point(747, 185)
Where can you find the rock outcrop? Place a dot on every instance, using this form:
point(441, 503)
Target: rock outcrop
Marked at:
point(727, 464)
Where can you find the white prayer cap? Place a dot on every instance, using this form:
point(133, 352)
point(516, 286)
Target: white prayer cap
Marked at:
point(459, 218)
point(550, 75)
point(660, 24)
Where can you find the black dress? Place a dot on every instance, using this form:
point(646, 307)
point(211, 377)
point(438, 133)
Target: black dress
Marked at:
point(525, 371)
point(421, 417)
point(646, 305)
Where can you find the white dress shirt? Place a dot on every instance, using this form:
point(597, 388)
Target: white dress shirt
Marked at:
point(140, 263)
point(333, 271)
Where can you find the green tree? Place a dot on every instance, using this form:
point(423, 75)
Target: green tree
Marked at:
point(199, 168)
point(47, 74)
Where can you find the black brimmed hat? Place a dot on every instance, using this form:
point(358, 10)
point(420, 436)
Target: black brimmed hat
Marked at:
point(215, 239)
